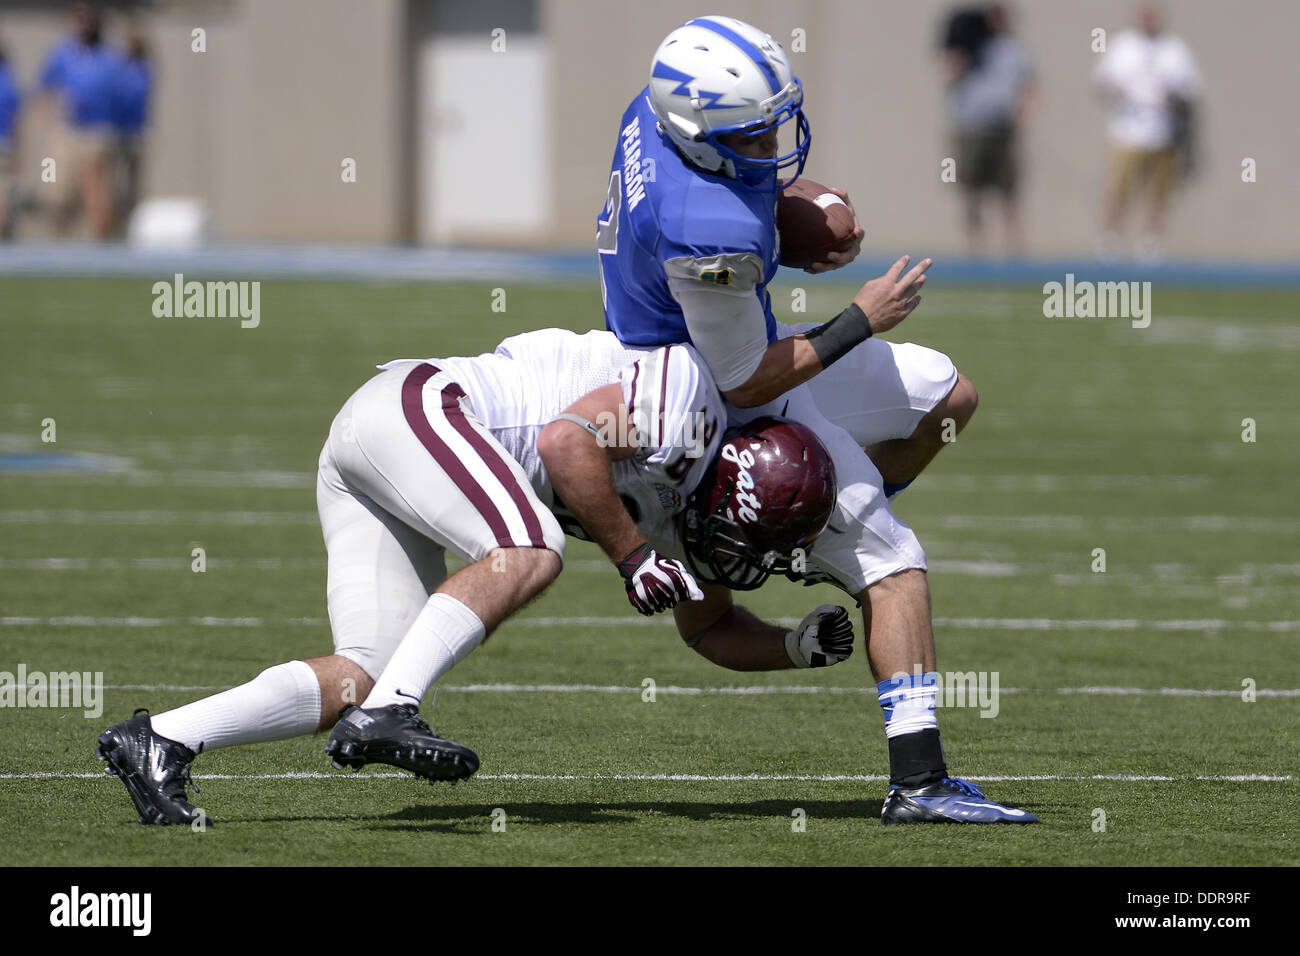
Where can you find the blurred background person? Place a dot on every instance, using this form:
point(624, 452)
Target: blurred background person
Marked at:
point(82, 72)
point(990, 84)
point(1151, 82)
point(130, 115)
point(9, 105)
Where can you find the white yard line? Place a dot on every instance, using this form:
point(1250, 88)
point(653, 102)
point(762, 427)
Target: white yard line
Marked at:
point(1171, 574)
point(153, 517)
point(165, 563)
point(1233, 524)
point(957, 623)
point(1255, 524)
point(681, 777)
point(1108, 624)
point(759, 690)
point(121, 470)
point(77, 620)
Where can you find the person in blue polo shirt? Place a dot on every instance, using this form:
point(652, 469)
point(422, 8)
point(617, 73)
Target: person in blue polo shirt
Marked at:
point(83, 72)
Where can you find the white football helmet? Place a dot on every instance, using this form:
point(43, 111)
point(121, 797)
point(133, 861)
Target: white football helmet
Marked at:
point(718, 75)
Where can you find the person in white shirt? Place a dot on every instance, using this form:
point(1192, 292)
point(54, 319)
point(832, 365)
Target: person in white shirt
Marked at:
point(1150, 79)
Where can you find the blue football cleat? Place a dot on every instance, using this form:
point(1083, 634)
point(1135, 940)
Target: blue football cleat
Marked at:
point(948, 801)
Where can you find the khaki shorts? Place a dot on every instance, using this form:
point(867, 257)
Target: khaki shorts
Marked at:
point(1157, 169)
point(78, 150)
point(89, 146)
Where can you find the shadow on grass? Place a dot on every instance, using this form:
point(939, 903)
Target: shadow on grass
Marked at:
point(475, 818)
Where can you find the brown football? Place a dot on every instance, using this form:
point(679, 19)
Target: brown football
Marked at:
point(813, 222)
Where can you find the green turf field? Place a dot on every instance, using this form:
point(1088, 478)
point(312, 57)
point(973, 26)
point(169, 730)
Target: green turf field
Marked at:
point(1091, 434)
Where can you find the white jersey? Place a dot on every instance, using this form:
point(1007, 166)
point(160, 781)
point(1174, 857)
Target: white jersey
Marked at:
point(1144, 73)
point(672, 402)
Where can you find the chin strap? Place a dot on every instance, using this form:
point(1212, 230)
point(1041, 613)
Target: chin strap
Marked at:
point(579, 420)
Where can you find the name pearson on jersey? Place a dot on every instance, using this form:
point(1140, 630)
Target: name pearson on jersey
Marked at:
point(633, 184)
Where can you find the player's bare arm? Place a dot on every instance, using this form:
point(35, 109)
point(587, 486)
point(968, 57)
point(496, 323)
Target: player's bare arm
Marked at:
point(731, 636)
point(578, 464)
point(577, 456)
point(880, 305)
point(786, 364)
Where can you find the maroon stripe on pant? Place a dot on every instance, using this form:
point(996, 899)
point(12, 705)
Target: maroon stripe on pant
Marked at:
point(663, 397)
point(413, 409)
point(451, 396)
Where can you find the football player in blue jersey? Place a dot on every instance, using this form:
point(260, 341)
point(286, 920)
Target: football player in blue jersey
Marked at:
point(687, 244)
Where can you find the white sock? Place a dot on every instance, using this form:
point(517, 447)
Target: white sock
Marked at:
point(442, 636)
point(281, 702)
point(908, 701)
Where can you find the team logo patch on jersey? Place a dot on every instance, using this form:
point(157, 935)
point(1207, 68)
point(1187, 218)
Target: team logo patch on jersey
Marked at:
point(716, 276)
point(668, 497)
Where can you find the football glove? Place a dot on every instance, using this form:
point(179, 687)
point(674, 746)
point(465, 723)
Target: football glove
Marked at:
point(823, 638)
point(655, 583)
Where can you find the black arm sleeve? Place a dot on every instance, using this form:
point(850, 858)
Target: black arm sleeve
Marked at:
point(836, 338)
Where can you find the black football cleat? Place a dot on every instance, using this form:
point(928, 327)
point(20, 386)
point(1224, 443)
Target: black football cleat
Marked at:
point(156, 771)
point(398, 736)
point(948, 801)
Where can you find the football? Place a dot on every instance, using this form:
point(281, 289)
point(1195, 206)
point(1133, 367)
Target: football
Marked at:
point(812, 222)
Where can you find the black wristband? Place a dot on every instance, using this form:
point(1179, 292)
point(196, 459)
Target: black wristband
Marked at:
point(627, 567)
point(835, 339)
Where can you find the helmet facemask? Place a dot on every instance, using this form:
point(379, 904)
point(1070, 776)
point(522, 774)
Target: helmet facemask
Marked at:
point(758, 172)
point(727, 557)
point(760, 506)
point(706, 149)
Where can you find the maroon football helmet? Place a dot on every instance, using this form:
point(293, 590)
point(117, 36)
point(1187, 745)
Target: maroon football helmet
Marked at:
point(770, 491)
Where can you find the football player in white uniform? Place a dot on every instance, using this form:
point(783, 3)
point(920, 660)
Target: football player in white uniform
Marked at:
point(472, 455)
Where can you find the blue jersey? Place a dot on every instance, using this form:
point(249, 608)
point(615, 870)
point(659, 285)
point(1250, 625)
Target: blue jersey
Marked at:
point(86, 77)
point(660, 208)
point(9, 103)
point(131, 95)
point(54, 72)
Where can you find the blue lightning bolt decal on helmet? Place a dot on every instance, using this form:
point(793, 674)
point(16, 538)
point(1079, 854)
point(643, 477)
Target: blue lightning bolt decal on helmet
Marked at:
point(662, 71)
point(714, 76)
